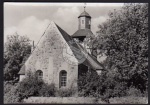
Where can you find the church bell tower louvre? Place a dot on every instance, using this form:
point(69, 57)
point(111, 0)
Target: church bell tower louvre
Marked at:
point(84, 35)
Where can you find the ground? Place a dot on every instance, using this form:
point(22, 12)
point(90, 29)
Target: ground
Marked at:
point(10, 97)
point(87, 100)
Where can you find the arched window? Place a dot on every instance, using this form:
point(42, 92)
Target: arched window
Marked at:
point(39, 73)
point(63, 78)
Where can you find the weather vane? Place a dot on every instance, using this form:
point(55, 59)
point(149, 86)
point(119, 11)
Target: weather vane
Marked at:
point(84, 6)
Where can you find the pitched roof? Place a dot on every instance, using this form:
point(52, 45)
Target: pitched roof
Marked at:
point(89, 59)
point(84, 14)
point(83, 32)
point(92, 61)
point(64, 34)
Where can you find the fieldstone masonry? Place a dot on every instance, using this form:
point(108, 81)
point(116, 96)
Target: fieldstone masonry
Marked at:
point(47, 57)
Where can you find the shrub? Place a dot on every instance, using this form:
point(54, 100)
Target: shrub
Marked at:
point(33, 86)
point(65, 92)
point(47, 90)
point(29, 86)
point(7, 87)
point(87, 84)
point(105, 85)
point(120, 89)
point(132, 91)
point(10, 95)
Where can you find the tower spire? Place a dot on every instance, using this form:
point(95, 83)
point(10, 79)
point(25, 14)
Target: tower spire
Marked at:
point(84, 6)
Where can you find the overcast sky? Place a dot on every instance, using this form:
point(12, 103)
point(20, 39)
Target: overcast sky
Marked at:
point(31, 19)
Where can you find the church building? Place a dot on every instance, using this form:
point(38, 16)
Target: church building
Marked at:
point(61, 58)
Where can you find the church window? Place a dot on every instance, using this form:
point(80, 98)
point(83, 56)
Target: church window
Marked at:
point(39, 73)
point(63, 78)
point(82, 21)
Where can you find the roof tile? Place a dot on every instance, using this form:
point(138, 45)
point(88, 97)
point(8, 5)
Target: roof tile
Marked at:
point(83, 32)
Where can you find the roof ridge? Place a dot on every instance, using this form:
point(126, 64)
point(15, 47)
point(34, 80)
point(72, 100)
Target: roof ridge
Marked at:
point(41, 36)
point(89, 55)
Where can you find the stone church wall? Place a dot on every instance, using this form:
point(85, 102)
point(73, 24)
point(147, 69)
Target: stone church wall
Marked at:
point(48, 57)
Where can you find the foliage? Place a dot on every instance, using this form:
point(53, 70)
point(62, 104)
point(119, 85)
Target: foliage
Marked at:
point(16, 51)
point(104, 85)
point(134, 92)
point(124, 40)
point(87, 85)
point(34, 86)
point(30, 86)
point(10, 96)
point(47, 90)
point(63, 92)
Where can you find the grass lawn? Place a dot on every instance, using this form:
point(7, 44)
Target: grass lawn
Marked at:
point(129, 100)
point(87, 100)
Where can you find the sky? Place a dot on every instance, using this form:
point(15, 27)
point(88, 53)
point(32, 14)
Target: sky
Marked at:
point(31, 19)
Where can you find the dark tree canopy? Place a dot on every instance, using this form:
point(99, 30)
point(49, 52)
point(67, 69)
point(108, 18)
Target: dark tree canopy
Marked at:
point(124, 39)
point(16, 50)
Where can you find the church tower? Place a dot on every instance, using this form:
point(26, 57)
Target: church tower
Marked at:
point(84, 34)
point(84, 20)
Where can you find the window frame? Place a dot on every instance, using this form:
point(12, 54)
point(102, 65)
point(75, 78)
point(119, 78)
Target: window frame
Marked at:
point(39, 74)
point(63, 78)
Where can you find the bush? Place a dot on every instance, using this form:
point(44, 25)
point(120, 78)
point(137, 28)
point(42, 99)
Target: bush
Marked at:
point(104, 86)
point(120, 89)
point(132, 91)
point(33, 86)
point(65, 92)
point(10, 95)
point(29, 86)
point(47, 90)
point(88, 83)
point(7, 87)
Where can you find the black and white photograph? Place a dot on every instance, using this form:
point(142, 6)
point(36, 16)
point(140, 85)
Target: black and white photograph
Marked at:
point(75, 53)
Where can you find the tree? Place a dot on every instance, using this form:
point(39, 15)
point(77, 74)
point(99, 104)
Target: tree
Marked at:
point(124, 39)
point(16, 51)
